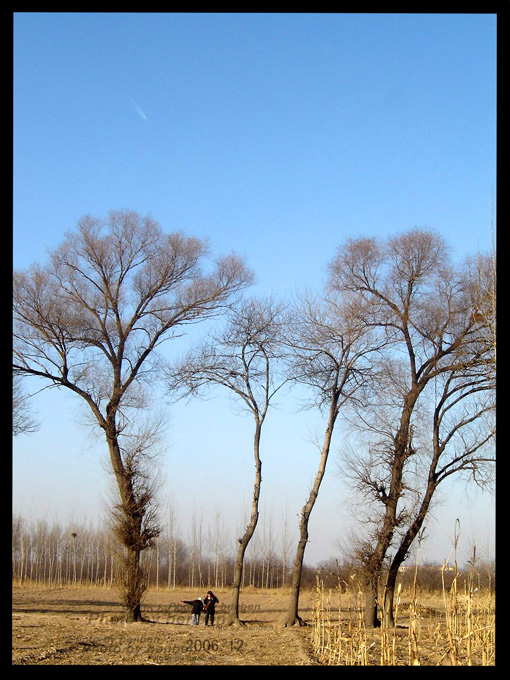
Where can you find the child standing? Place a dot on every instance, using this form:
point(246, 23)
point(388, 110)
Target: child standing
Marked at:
point(197, 608)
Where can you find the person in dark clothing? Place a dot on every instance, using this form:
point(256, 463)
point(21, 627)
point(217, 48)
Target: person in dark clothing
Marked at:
point(210, 601)
point(197, 607)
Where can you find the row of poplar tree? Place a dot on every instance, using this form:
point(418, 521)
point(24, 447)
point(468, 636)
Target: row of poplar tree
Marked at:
point(77, 554)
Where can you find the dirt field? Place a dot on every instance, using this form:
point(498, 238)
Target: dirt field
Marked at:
point(82, 626)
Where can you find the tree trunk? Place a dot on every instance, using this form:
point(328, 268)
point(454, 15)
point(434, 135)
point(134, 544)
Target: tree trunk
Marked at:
point(371, 620)
point(402, 451)
point(129, 518)
point(134, 586)
point(233, 618)
point(405, 545)
point(389, 594)
point(293, 617)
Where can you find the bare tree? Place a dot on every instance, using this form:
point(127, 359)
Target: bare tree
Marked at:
point(172, 545)
point(244, 359)
point(285, 547)
point(90, 321)
point(426, 309)
point(331, 354)
point(23, 421)
point(216, 549)
point(462, 435)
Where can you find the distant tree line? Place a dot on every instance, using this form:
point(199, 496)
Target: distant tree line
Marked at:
point(75, 554)
point(57, 555)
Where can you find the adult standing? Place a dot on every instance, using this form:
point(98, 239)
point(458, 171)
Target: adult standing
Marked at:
point(210, 602)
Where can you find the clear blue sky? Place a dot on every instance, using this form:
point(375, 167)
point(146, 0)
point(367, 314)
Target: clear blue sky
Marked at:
point(273, 135)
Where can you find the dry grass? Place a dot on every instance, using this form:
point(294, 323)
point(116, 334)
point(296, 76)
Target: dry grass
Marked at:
point(451, 628)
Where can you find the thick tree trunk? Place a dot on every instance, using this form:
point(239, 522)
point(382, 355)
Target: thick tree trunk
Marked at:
point(371, 619)
point(128, 527)
point(405, 545)
point(402, 451)
point(389, 595)
point(134, 586)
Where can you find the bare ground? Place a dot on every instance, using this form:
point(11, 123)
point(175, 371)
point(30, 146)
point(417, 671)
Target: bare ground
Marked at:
point(83, 626)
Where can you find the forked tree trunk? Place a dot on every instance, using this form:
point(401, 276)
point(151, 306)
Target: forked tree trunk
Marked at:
point(405, 544)
point(402, 451)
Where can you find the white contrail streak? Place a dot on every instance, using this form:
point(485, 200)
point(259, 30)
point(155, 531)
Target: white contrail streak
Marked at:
point(139, 111)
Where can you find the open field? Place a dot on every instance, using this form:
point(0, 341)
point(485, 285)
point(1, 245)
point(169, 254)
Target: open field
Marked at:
point(83, 626)
point(59, 626)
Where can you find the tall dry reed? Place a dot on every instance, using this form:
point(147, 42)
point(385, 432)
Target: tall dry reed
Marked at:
point(460, 633)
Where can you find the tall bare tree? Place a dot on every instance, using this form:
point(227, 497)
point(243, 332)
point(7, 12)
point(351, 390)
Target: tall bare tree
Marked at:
point(90, 320)
point(426, 309)
point(244, 358)
point(462, 443)
point(331, 353)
